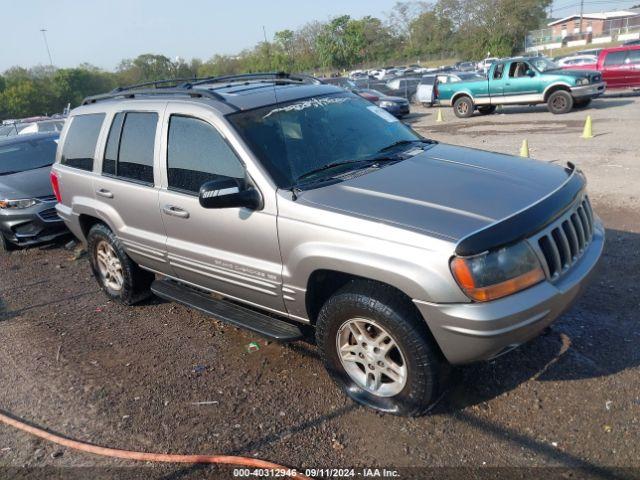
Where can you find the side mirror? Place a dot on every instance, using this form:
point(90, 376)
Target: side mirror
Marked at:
point(530, 73)
point(229, 192)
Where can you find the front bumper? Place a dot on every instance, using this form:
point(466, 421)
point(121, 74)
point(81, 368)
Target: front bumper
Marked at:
point(398, 110)
point(589, 91)
point(30, 226)
point(468, 332)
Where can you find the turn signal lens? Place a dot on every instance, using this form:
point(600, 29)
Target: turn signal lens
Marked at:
point(498, 273)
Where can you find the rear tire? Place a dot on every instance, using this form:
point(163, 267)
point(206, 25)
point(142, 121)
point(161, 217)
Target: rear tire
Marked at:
point(487, 110)
point(560, 102)
point(463, 107)
point(119, 277)
point(352, 332)
point(581, 103)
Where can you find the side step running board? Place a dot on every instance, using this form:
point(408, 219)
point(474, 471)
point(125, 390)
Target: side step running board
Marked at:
point(226, 311)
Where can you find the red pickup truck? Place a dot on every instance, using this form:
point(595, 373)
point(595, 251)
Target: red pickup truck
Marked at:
point(620, 66)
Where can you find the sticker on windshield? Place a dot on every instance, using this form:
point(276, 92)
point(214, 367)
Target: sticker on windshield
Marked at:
point(382, 113)
point(311, 103)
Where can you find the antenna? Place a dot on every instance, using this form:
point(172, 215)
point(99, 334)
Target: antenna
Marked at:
point(46, 44)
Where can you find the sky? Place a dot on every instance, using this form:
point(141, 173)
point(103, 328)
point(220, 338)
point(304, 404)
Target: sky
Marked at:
point(103, 32)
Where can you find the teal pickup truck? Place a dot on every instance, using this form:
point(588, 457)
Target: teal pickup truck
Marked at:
point(523, 81)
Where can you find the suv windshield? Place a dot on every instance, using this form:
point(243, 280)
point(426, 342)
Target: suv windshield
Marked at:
point(295, 138)
point(27, 155)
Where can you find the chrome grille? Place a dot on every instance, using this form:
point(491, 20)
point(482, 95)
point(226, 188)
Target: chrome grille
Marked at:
point(565, 241)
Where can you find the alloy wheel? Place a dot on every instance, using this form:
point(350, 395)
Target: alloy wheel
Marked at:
point(371, 357)
point(109, 266)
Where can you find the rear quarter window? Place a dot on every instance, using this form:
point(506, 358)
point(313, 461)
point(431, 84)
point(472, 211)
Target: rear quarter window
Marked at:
point(615, 58)
point(79, 147)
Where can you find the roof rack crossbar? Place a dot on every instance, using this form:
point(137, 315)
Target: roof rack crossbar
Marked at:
point(154, 83)
point(276, 76)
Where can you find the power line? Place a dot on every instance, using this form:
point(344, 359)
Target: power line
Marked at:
point(46, 44)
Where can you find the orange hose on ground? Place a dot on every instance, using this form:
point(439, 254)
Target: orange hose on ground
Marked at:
point(142, 456)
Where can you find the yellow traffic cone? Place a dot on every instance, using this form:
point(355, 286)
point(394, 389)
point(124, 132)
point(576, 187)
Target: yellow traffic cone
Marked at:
point(524, 149)
point(439, 118)
point(587, 132)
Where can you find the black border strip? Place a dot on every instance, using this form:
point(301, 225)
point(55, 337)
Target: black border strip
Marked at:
point(525, 223)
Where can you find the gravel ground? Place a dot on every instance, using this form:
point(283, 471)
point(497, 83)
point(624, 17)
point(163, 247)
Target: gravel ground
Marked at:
point(132, 378)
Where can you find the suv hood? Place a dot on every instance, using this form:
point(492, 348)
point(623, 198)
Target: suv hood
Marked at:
point(28, 184)
point(446, 191)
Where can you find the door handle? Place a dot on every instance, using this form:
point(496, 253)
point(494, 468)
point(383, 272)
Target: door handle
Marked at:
point(175, 211)
point(104, 193)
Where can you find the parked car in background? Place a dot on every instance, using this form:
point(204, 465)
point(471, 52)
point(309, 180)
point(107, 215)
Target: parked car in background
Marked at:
point(576, 60)
point(404, 87)
point(396, 106)
point(342, 82)
point(427, 89)
point(484, 65)
point(465, 66)
point(591, 51)
point(631, 42)
point(620, 66)
point(275, 205)
point(523, 81)
point(42, 127)
point(27, 202)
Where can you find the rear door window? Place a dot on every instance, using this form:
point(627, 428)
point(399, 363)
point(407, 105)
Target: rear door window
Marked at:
point(130, 147)
point(615, 58)
point(197, 153)
point(80, 144)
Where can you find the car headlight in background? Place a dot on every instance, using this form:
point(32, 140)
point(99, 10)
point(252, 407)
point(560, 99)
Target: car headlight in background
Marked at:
point(497, 273)
point(582, 81)
point(386, 104)
point(22, 203)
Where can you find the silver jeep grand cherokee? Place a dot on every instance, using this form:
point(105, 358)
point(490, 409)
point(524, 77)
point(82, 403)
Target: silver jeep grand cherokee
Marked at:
point(272, 201)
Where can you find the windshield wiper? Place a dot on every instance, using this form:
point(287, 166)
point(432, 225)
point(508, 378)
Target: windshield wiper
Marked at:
point(329, 166)
point(401, 143)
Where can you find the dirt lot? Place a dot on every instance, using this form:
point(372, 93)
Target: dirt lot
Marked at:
point(131, 377)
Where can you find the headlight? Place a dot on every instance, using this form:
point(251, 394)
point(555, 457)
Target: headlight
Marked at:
point(24, 203)
point(582, 81)
point(497, 273)
point(386, 104)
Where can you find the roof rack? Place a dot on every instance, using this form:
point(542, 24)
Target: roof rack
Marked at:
point(185, 86)
point(134, 93)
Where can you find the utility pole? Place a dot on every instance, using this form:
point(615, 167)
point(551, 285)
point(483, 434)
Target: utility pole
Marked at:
point(581, 14)
point(46, 44)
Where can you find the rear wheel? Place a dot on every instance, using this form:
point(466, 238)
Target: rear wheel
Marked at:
point(487, 110)
point(120, 278)
point(581, 103)
point(378, 350)
point(463, 107)
point(560, 102)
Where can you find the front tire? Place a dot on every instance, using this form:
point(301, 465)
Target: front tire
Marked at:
point(6, 245)
point(463, 107)
point(378, 349)
point(119, 277)
point(560, 102)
